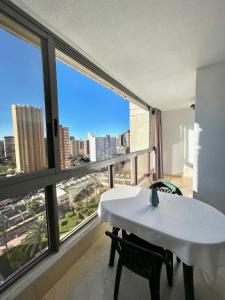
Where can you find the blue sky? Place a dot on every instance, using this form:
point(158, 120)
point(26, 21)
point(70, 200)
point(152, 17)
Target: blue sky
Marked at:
point(84, 105)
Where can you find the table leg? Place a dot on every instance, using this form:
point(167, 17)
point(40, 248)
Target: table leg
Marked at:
point(188, 282)
point(113, 249)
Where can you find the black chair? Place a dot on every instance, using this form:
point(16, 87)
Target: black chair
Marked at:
point(140, 257)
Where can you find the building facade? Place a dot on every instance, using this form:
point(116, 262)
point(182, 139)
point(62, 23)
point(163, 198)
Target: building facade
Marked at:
point(81, 147)
point(102, 148)
point(64, 140)
point(9, 148)
point(2, 148)
point(127, 138)
point(86, 148)
point(120, 140)
point(29, 138)
point(74, 148)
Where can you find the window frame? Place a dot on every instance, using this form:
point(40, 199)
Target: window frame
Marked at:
point(48, 178)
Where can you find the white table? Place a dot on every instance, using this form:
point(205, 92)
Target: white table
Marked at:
point(194, 231)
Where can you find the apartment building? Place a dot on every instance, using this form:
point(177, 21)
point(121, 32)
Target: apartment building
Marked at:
point(2, 148)
point(74, 147)
point(64, 140)
point(9, 147)
point(103, 147)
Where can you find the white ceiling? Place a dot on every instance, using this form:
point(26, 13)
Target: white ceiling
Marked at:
point(152, 46)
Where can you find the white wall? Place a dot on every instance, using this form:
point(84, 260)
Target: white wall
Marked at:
point(209, 167)
point(178, 141)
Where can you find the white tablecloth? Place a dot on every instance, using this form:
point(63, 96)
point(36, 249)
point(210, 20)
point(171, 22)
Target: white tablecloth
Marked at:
point(191, 229)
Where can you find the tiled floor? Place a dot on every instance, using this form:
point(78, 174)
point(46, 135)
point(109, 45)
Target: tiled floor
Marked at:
point(91, 278)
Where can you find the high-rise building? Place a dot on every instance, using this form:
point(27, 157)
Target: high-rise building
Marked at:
point(74, 147)
point(9, 148)
point(127, 138)
point(101, 148)
point(120, 140)
point(2, 148)
point(86, 148)
point(64, 140)
point(81, 147)
point(29, 138)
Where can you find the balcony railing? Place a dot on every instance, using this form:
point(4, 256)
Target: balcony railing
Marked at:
point(77, 191)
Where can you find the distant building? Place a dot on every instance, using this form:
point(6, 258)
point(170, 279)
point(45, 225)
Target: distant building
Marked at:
point(64, 140)
point(2, 148)
point(127, 138)
point(9, 147)
point(81, 147)
point(121, 150)
point(86, 148)
point(102, 148)
point(29, 138)
point(121, 140)
point(74, 147)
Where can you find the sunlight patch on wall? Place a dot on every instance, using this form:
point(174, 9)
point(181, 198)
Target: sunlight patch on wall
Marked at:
point(197, 148)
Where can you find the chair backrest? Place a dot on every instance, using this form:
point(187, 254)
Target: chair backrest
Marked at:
point(139, 259)
point(166, 187)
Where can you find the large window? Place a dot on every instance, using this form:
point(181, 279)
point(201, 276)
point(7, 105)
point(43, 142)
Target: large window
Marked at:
point(22, 104)
point(23, 231)
point(143, 165)
point(78, 199)
point(94, 121)
point(124, 174)
point(67, 130)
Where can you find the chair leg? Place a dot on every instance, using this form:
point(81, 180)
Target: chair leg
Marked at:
point(113, 249)
point(188, 282)
point(154, 284)
point(118, 276)
point(169, 268)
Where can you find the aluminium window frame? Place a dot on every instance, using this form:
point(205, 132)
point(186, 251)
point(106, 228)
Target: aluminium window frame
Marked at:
point(48, 178)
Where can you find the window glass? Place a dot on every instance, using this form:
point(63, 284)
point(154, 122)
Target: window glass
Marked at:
point(78, 199)
point(23, 231)
point(94, 120)
point(22, 104)
point(124, 173)
point(142, 165)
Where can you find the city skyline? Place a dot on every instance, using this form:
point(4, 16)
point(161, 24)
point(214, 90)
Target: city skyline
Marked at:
point(21, 80)
point(85, 137)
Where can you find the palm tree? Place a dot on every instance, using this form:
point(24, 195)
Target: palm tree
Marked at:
point(34, 238)
point(73, 207)
point(32, 206)
point(4, 221)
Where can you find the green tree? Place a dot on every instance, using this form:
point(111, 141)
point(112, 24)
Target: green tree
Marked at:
point(3, 229)
point(34, 240)
point(32, 206)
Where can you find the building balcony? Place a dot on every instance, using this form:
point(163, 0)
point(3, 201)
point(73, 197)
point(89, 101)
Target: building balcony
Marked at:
point(97, 95)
